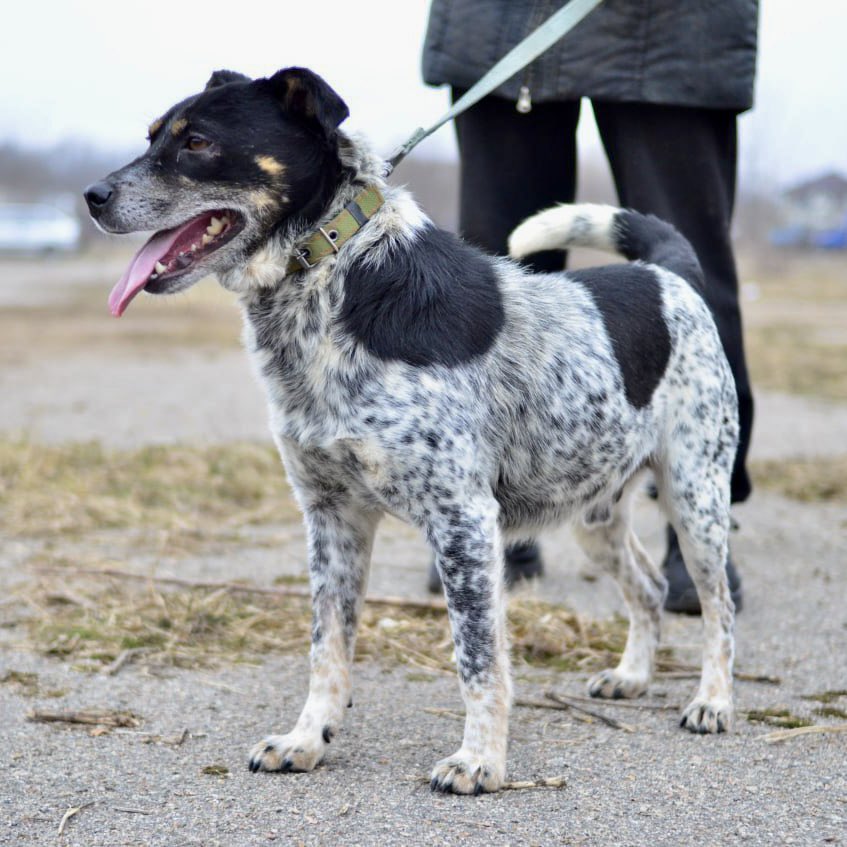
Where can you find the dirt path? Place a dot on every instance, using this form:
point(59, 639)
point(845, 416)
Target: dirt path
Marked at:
point(656, 785)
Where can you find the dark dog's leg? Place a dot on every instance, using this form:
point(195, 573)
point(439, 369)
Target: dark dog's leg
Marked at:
point(469, 554)
point(340, 540)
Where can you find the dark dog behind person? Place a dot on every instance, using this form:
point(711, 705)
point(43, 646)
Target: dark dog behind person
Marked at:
point(666, 81)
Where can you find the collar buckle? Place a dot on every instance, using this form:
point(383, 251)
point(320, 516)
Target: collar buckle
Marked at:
point(302, 258)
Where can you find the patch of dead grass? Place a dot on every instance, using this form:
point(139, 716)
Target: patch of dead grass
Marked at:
point(809, 480)
point(48, 491)
point(794, 323)
point(197, 627)
point(797, 360)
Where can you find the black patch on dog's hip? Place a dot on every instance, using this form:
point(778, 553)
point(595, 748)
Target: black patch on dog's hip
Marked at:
point(431, 300)
point(630, 302)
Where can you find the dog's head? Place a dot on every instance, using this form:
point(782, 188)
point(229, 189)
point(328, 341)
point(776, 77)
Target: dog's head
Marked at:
point(225, 168)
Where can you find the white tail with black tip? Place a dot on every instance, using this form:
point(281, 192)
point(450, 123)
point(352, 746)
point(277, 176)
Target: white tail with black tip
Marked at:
point(638, 237)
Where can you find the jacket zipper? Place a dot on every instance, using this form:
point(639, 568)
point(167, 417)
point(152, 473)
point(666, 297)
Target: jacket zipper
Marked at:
point(524, 101)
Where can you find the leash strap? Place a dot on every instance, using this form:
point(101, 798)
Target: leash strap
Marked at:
point(554, 28)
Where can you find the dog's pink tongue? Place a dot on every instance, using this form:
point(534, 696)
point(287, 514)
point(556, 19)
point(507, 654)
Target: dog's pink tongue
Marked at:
point(136, 275)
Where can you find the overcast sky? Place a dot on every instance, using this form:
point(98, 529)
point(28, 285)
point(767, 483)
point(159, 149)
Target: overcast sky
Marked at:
point(100, 70)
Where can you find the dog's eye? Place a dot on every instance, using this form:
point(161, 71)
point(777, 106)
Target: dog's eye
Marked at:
point(196, 144)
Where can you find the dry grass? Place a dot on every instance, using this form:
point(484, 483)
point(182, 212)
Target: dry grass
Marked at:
point(797, 359)
point(48, 491)
point(795, 325)
point(100, 619)
point(778, 716)
point(809, 480)
point(204, 317)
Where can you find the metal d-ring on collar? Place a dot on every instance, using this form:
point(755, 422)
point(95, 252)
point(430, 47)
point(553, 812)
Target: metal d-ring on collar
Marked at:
point(329, 239)
point(303, 254)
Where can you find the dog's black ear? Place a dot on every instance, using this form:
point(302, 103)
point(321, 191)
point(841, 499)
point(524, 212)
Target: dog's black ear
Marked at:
point(219, 78)
point(304, 93)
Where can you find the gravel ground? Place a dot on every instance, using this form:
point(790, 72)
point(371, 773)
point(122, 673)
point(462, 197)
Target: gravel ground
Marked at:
point(656, 785)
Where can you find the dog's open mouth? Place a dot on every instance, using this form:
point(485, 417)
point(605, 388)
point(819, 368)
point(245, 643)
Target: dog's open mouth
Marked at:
point(171, 253)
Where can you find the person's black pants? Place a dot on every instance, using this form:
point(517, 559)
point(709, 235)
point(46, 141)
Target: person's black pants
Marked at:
point(674, 162)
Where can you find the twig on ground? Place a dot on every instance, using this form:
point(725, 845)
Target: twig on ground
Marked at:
point(131, 811)
point(529, 703)
point(124, 658)
point(89, 717)
point(786, 734)
point(444, 713)
point(179, 740)
point(758, 677)
point(570, 704)
point(236, 587)
point(417, 658)
point(74, 810)
point(516, 785)
point(626, 704)
point(691, 672)
point(547, 782)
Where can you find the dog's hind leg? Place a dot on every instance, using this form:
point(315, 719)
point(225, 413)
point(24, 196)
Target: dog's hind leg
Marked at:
point(469, 555)
point(696, 499)
point(612, 545)
point(340, 540)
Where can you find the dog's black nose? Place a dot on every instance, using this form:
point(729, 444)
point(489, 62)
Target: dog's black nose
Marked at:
point(97, 196)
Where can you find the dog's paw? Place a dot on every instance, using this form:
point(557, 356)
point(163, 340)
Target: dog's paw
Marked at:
point(706, 716)
point(292, 752)
point(467, 773)
point(613, 685)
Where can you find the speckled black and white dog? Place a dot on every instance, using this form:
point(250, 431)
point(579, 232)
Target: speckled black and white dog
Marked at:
point(407, 372)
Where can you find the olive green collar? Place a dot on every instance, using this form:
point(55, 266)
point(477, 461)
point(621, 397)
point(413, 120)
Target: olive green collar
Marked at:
point(330, 237)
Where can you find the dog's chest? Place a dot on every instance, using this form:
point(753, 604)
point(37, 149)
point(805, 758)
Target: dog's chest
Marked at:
point(310, 384)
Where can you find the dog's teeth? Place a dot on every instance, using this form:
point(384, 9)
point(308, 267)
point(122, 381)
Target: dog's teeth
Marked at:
point(206, 239)
point(160, 268)
point(154, 276)
point(194, 246)
point(215, 226)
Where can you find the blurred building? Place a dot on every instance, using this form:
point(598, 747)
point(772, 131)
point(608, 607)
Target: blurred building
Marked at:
point(37, 228)
point(814, 213)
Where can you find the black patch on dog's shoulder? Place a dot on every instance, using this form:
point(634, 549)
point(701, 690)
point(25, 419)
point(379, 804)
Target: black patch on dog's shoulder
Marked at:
point(432, 300)
point(630, 302)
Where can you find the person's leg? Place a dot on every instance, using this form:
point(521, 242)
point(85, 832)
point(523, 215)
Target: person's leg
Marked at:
point(513, 165)
point(679, 164)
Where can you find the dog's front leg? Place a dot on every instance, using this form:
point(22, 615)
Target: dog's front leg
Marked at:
point(340, 541)
point(469, 554)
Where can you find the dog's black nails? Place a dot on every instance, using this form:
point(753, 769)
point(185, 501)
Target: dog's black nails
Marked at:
point(327, 734)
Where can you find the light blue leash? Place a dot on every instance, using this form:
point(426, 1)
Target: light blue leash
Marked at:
point(557, 25)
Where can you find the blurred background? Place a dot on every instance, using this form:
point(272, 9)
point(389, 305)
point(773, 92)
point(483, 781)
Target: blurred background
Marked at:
point(80, 81)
